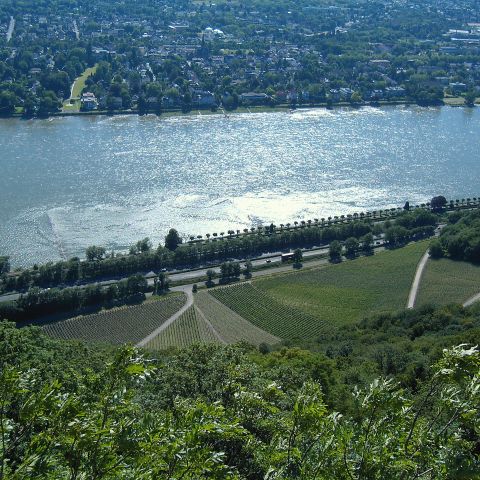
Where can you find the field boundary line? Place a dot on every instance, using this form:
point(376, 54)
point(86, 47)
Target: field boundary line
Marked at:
point(209, 325)
point(168, 322)
point(412, 296)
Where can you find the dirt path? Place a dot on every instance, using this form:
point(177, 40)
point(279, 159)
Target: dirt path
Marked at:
point(161, 328)
point(416, 281)
point(472, 300)
point(11, 28)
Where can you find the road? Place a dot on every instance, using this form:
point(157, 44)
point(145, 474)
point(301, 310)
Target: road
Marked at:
point(416, 281)
point(11, 28)
point(157, 331)
point(75, 29)
point(472, 300)
point(275, 259)
point(192, 275)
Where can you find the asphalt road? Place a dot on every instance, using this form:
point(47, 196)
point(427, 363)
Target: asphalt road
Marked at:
point(191, 275)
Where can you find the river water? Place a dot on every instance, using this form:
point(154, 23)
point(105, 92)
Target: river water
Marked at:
point(67, 183)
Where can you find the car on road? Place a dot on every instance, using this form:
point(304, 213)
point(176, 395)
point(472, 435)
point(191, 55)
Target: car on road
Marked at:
point(268, 261)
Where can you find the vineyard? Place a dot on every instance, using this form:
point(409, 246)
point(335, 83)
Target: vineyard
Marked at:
point(448, 281)
point(345, 293)
point(122, 325)
point(230, 326)
point(269, 314)
point(189, 328)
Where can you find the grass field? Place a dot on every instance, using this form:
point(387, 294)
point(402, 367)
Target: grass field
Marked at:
point(189, 328)
point(446, 281)
point(301, 304)
point(78, 86)
point(120, 325)
point(230, 326)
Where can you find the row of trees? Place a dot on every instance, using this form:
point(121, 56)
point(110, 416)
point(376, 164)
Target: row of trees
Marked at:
point(38, 302)
point(174, 254)
point(350, 247)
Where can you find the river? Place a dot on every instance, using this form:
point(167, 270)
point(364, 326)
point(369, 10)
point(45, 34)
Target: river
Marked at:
point(67, 183)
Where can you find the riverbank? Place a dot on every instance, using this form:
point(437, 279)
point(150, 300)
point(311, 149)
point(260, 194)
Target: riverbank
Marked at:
point(72, 110)
point(240, 110)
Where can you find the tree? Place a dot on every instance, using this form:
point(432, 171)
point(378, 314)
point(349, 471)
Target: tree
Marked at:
point(367, 243)
point(297, 256)
point(94, 253)
point(470, 97)
point(144, 245)
point(172, 240)
point(264, 348)
point(224, 270)
point(4, 264)
point(7, 102)
point(396, 235)
point(163, 283)
point(48, 103)
point(351, 246)
point(436, 249)
point(136, 284)
point(335, 251)
point(438, 203)
point(248, 269)
point(210, 276)
point(356, 98)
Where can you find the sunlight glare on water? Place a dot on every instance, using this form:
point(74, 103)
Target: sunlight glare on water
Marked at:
point(78, 181)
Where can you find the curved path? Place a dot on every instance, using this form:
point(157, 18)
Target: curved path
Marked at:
point(416, 281)
point(188, 292)
point(472, 300)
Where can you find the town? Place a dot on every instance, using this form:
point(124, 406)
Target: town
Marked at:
point(226, 55)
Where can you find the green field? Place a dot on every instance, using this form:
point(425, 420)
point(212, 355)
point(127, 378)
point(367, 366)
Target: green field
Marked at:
point(230, 326)
point(447, 281)
point(189, 328)
point(302, 304)
point(78, 86)
point(119, 325)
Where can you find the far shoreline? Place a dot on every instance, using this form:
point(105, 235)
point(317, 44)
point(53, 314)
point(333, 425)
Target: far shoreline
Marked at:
point(240, 110)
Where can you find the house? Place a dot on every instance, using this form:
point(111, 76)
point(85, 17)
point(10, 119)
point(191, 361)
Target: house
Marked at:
point(346, 94)
point(457, 87)
point(203, 98)
point(395, 92)
point(88, 101)
point(334, 95)
point(380, 63)
point(449, 50)
point(376, 95)
point(253, 98)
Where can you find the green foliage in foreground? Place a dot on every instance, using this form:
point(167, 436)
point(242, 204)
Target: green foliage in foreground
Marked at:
point(97, 427)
